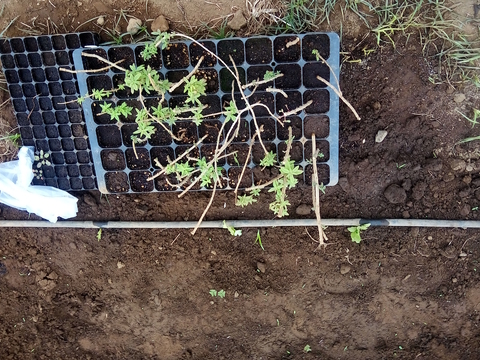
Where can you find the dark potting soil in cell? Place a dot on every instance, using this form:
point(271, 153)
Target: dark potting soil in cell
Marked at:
point(197, 51)
point(161, 154)
point(296, 151)
point(123, 54)
point(117, 182)
point(310, 73)
point(318, 125)
point(234, 174)
point(109, 136)
point(241, 128)
point(292, 76)
point(286, 48)
point(7, 61)
point(113, 160)
point(138, 159)
point(139, 181)
point(227, 79)
point(176, 56)
point(320, 101)
point(258, 51)
point(267, 102)
point(293, 122)
point(233, 49)
point(239, 153)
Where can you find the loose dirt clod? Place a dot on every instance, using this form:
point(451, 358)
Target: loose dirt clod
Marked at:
point(395, 194)
point(160, 24)
point(134, 26)
point(344, 269)
point(303, 209)
point(238, 21)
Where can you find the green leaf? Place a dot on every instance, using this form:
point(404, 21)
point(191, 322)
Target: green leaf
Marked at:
point(221, 294)
point(213, 292)
point(268, 160)
point(231, 111)
point(245, 200)
point(259, 240)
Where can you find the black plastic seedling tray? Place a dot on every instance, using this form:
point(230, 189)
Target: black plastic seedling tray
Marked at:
point(119, 171)
point(44, 102)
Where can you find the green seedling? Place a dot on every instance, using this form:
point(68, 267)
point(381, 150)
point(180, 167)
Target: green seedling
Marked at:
point(400, 166)
point(307, 349)
point(473, 120)
point(12, 137)
point(356, 230)
point(99, 234)
point(231, 229)
point(221, 293)
point(259, 240)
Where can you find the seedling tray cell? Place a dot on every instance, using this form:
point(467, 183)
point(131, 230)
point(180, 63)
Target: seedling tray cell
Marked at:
point(44, 102)
point(120, 171)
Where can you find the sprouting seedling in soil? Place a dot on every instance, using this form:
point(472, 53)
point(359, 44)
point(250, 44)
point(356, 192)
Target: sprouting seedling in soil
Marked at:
point(355, 232)
point(473, 121)
point(221, 293)
point(259, 240)
point(231, 112)
point(99, 234)
point(307, 349)
point(231, 229)
point(12, 137)
point(42, 159)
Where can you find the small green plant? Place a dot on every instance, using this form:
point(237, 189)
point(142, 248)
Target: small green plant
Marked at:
point(231, 229)
point(99, 234)
point(41, 158)
point(473, 120)
point(214, 293)
point(14, 138)
point(259, 240)
point(307, 349)
point(356, 230)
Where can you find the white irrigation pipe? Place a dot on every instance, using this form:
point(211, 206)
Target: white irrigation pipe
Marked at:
point(466, 224)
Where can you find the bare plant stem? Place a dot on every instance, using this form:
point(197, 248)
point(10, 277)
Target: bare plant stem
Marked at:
point(182, 80)
point(95, 56)
point(90, 71)
point(244, 166)
point(206, 209)
point(316, 195)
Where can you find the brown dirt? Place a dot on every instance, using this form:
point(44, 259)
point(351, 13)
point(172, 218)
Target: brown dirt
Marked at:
point(144, 294)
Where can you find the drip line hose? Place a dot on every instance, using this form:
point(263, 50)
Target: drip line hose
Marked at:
point(466, 224)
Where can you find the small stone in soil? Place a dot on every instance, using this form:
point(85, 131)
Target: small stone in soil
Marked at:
point(303, 209)
point(381, 135)
point(395, 194)
point(134, 26)
point(448, 177)
point(458, 98)
point(406, 214)
point(101, 21)
point(160, 24)
point(458, 164)
point(120, 265)
point(238, 21)
point(261, 267)
point(344, 269)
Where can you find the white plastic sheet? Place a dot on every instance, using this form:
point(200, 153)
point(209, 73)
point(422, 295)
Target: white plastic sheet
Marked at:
point(45, 201)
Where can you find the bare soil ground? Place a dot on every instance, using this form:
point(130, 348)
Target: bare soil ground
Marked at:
point(144, 294)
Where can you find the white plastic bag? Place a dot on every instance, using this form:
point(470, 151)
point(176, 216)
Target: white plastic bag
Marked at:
point(45, 201)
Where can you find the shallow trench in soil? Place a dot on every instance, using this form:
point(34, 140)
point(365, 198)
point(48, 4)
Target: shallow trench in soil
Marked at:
point(409, 293)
